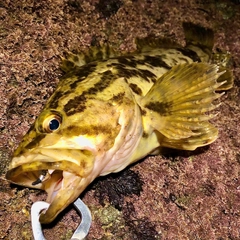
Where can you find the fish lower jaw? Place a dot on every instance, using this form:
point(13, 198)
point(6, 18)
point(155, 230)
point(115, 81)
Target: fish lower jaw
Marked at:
point(53, 185)
point(59, 182)
point(63, 180)
point(61, 193)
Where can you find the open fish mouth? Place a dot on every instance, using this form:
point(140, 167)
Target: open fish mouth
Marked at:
point(63, 180)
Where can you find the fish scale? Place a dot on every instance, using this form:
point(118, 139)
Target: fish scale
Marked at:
point(111, 109)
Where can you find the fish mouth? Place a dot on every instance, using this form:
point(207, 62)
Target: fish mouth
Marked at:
point(63, 180)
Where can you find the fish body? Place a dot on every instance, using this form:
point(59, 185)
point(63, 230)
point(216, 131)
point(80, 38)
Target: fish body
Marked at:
point(110, 110)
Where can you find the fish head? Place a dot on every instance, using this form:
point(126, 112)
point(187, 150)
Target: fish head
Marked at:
point(61, 151)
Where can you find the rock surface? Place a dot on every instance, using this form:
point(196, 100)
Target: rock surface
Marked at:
point(179, 195)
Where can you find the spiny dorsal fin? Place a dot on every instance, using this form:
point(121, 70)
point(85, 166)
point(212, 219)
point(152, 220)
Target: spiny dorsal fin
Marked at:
point(92, 54)
point(176, 105)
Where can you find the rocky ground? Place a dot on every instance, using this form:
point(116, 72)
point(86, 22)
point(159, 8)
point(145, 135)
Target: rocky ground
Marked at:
point(178, 195)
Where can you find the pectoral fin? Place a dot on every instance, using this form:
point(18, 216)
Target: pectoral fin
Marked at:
point(176, 105)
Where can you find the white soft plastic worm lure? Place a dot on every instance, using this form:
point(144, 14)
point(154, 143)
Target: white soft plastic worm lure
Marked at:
point(80, 233)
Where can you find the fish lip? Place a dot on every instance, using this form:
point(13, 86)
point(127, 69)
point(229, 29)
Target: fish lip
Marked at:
point(53, 186)
point(26, 174)
point(18, 174)
point(68, 178)
point(71, 187)
point(46, 159)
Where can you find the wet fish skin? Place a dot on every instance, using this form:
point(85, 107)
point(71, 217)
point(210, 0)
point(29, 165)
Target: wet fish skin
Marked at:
point(110, 110)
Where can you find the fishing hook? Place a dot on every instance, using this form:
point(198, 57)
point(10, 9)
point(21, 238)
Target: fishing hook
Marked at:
point(80, 233)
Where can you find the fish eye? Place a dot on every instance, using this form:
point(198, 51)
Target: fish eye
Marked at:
point(52, 123)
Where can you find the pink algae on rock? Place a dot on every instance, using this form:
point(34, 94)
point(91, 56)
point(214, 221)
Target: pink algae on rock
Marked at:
point(184, 195)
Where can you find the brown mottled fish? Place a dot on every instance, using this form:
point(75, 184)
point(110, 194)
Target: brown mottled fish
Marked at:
point(109, 111)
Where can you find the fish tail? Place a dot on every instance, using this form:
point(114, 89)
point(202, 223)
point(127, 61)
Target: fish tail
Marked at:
point(176, 105)
point(199, 36)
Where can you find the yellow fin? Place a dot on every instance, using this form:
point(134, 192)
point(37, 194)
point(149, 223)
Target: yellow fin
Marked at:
point(176, 105)
point(199, 36)
point(224, 61)
point(204, 136)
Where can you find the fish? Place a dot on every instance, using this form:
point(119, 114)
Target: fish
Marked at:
point(112, 109)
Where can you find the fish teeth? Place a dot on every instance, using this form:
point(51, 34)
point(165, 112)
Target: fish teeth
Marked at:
point(50, 171)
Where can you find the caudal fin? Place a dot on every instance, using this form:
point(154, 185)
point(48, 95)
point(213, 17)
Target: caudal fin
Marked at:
point(176, 105)
point(198, 36)
point(200, 39)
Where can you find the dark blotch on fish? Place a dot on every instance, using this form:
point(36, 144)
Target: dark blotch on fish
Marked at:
point(78, 104)
point(55, 99)
point(189, 53)
point(82, 73)
point(163, 108)
point(128, 73)
point(128, 61)
point(118, 98)
point(35, 141)
point(135, 89)
point(145, 135)
point(86, 130)
point(156, 61)
point(107, 78)
point(75, 105)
